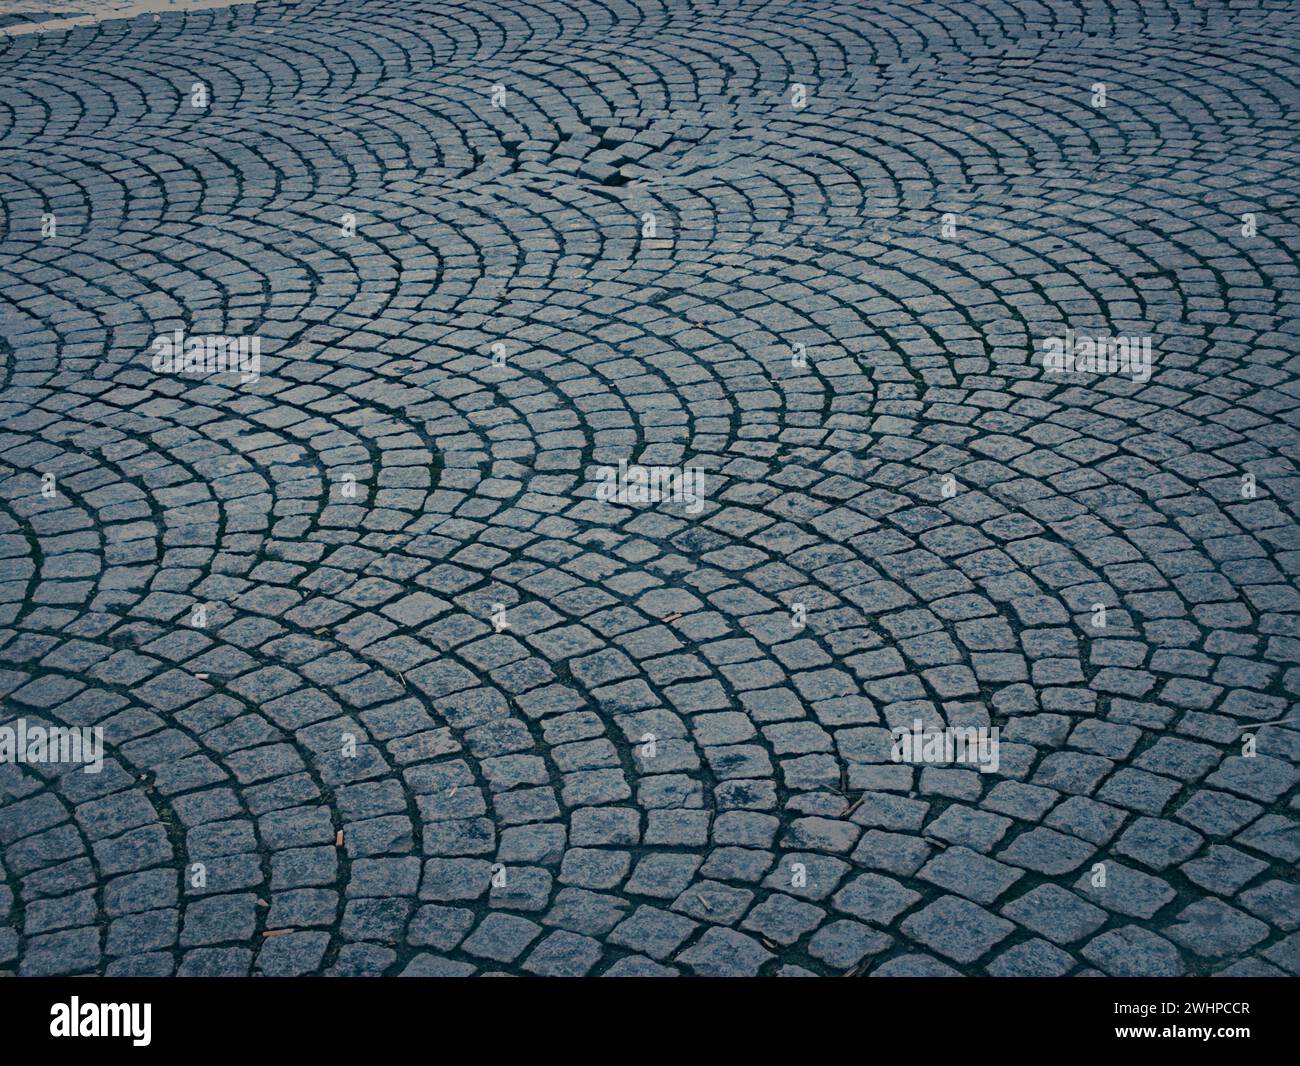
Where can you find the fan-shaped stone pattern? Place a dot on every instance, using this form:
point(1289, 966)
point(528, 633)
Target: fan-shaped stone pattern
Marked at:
point(277, 597)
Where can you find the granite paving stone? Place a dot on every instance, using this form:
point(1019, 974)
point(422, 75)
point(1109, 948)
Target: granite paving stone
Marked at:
point(566, 489)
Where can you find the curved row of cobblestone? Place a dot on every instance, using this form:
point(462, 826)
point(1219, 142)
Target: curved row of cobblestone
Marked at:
point(387, 688)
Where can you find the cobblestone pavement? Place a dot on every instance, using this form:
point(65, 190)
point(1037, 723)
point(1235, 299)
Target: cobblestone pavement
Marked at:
point(385, 686)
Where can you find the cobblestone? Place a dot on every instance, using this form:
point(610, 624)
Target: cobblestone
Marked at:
point(387, 687)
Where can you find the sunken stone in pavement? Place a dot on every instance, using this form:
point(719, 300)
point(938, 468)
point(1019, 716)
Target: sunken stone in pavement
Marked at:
point(394, 674)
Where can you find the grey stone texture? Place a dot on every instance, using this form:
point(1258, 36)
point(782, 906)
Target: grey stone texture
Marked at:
point(386, 688)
